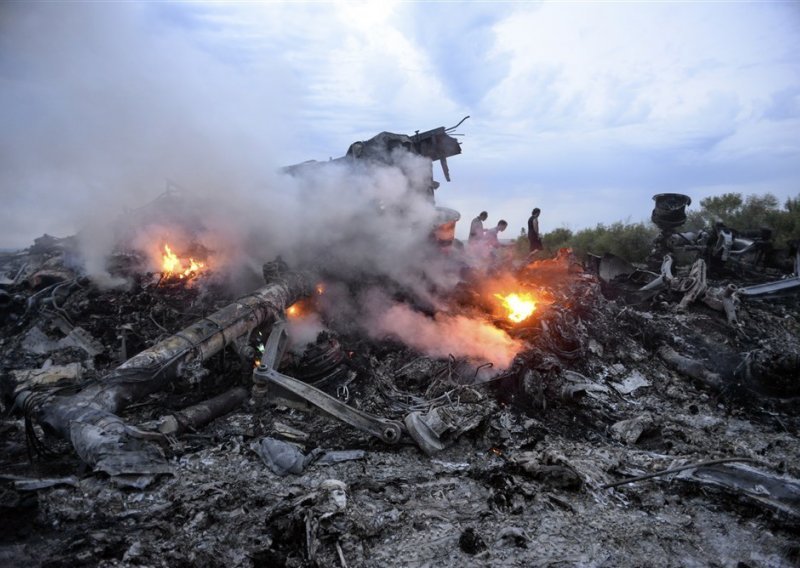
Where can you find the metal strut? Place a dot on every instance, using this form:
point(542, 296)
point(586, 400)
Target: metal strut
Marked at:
point(278, 384)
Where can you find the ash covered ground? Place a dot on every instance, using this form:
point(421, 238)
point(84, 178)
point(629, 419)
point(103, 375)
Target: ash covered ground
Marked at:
point(604, 387)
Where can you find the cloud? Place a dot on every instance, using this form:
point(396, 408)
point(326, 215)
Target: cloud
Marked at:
point(358, 72)
point(593, 104)
point(604, 105)
point(459, 45)
point(784, 105)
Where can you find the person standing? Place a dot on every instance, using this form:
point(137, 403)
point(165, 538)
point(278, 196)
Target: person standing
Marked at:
point(534, 239)
point(476, 231)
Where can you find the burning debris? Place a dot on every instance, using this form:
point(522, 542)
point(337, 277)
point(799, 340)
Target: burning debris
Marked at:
point(347, 412)
point(175, 267)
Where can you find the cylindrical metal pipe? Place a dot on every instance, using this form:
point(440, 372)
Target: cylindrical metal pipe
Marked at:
point(152, 369)
point(204, 412)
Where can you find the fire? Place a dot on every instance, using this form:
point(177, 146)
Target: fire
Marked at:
point(302, 308)
point(445, 335)
point(172, 265)
point(519, 306)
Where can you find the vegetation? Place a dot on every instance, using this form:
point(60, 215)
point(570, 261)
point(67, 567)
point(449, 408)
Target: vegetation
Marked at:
point(632, 241)
point(752, 212)
point(628, 240)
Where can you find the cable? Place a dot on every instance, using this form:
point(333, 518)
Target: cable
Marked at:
point(679, 468)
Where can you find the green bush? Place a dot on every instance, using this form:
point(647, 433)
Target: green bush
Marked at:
point(631, 241)
point(556, 239)
point(752, 212)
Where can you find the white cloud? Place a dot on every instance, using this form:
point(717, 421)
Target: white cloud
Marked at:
point(357, 73)
point(596, 104)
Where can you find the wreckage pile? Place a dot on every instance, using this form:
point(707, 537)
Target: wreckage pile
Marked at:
point(632, 427)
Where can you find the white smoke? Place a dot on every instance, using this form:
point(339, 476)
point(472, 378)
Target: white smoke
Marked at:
point(439, 334)
point(104, 104)
point(443, 335)
point(303, 330)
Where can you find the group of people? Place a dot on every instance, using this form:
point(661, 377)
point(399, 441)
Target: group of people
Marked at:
point(477, 234)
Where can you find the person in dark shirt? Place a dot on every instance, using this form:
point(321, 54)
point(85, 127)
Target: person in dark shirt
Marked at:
point(534, 239)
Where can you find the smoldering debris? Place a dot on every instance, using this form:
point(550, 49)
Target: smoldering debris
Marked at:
point(505, 461)
point(330, 416)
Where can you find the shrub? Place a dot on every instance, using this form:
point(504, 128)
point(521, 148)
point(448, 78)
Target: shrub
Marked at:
point(752, 212)
point(631, 241)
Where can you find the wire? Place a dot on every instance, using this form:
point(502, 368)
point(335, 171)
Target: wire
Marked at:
point(677, 469)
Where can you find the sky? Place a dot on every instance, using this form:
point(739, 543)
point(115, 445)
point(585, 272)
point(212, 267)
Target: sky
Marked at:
point(584, 110)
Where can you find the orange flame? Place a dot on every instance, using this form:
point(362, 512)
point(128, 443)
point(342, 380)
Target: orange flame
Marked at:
point(172, 265)
point(519, 306)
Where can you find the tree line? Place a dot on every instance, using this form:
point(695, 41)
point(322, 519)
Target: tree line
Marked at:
point(632, 241)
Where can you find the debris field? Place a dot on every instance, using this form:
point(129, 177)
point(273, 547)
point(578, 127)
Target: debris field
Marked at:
point(630, 428)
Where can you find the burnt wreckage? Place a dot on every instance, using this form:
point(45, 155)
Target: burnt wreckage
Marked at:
point(640, 417)
point(723, 249)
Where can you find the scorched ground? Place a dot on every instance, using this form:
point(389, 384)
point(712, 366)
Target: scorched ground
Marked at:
point(532, 448)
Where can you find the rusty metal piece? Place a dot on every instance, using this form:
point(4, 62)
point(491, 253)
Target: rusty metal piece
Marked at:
point(279, 384)
point(323, 362)
point(276, 345)
point(274, 350)
point(152, 369)
point(437, 144)
point(425, 434)
point(610, 266)
point(669, 212)
point(690, 367)
point(776, 287)
point(201, 414)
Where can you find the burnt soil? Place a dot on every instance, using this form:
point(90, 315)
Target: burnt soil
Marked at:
point(521, 486)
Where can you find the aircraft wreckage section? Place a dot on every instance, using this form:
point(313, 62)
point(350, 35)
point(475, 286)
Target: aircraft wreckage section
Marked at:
point(643, 418)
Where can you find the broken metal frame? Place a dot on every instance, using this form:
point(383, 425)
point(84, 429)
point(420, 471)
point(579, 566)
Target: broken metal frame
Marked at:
point(426, 430)
point(279, 385)
point(88, 418)
point(777, 286)
point(695, 287)
point(274, 386)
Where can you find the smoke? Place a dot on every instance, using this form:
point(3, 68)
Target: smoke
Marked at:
point(444, 335)
point(303, 330)
point(105, 103)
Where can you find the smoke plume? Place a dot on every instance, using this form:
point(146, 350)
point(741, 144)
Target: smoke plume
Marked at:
point(107, 105)
point(444, 335)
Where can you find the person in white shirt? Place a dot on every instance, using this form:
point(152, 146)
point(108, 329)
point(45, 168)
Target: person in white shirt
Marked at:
point(492, 234)
point(476, 231)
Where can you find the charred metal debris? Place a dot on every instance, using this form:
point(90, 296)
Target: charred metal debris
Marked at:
point(648, 418)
